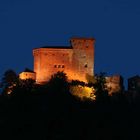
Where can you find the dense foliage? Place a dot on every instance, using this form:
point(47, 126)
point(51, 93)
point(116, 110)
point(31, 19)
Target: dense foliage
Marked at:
point(51, 112)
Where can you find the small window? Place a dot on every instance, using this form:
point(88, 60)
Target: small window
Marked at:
point(63, 66)
point(55, 66)
point(59, 66)
point(86, 66)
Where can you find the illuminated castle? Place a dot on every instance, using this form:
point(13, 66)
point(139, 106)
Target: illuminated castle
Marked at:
point(77, 60)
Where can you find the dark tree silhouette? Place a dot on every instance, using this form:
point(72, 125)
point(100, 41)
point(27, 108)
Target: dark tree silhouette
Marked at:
point(58, 97)
point(9, 77)
point(77, 82)
point(9, 80)
point(100, 87)
point(58, 83)
point(64, 117)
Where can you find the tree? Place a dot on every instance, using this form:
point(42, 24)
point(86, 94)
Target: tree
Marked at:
point(58, 97)
point(9, 77)
point(77, 83)
point(9, 81)
point(100, 87)
point(58, 82)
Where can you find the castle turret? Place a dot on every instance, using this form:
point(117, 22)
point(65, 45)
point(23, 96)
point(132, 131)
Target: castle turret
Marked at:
point(83, 57)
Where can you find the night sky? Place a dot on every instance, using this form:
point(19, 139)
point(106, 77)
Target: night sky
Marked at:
point(28, 24)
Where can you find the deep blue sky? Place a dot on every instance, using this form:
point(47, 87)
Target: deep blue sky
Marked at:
point(115, 24)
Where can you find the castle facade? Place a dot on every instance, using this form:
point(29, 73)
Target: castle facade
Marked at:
point(77, 60)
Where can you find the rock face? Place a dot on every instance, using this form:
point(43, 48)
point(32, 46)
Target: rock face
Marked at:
point(77, 60)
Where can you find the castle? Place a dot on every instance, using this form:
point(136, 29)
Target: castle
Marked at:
point(77, 60)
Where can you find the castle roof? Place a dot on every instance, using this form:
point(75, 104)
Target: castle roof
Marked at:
point(58, 47)
point(83, 38)
point(28, 70)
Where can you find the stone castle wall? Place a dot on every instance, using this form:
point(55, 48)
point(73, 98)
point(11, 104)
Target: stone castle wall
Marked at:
point(27, 75)
point(76, 61)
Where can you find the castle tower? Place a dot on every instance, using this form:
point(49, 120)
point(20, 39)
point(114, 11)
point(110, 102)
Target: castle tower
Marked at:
point(83, 57)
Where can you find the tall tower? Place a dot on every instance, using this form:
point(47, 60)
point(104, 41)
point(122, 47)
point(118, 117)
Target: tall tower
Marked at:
point(83, 57)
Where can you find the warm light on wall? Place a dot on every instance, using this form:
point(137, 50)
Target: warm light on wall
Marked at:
point(83, 92)
point(50, 60)
point(27, 75)
point(10, 89)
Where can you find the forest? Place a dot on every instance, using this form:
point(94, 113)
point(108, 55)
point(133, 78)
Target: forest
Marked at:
point(51, 112)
